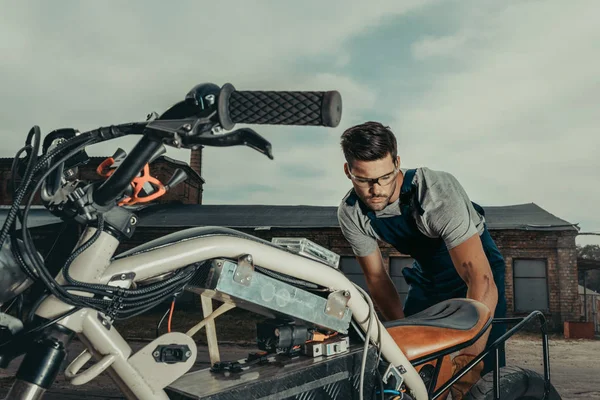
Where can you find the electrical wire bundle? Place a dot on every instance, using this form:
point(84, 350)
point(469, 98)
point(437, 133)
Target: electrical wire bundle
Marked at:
point(115, 302)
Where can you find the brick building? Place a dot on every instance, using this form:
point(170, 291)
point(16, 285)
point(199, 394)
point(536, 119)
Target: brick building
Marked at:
point(539, 248)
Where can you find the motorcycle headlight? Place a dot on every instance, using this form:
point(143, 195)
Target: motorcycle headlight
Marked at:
point(13, 280)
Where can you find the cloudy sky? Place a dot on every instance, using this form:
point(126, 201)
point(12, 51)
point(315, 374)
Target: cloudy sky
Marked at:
point(504, 95)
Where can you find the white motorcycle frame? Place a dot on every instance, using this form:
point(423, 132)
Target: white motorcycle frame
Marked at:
point(134, 374)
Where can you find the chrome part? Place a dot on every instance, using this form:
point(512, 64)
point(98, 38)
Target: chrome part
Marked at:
point(13, 280)
point(22, 390)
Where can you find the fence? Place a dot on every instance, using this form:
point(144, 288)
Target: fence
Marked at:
point(590, 303)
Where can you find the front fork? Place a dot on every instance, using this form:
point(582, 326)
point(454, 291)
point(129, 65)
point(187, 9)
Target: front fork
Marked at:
point(41, 364)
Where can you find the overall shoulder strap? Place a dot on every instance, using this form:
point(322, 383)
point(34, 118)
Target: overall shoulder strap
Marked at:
point(478, 208)
point(408, 194)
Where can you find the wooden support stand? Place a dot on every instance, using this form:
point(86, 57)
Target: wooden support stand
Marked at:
point(211, 331)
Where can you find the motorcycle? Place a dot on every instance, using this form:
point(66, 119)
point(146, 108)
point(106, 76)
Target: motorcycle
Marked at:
point(96, 287)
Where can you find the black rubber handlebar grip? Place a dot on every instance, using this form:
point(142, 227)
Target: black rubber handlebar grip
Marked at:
point(278, 107)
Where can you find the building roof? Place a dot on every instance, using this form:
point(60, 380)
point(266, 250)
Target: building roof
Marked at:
point(587, 264)
point(516, 217)
point(588, 291)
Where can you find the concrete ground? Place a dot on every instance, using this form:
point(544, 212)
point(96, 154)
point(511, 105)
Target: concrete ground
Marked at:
point(575, 369)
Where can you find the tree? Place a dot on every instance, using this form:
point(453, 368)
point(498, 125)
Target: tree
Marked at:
point(589, 252)
point(592, 279)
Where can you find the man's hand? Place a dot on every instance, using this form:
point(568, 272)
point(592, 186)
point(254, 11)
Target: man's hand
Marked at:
point(472, 265)
point(381, 288)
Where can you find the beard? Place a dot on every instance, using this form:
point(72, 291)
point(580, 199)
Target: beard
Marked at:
point(376, 202)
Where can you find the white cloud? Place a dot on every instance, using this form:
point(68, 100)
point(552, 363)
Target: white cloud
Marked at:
point(517, 119)
point(105, 63)
point(314, 153)
point(430, 46)
point(513, 112)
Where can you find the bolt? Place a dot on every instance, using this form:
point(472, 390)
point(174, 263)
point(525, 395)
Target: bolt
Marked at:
point(210, 98)
point(219, 264)
point(128, 230)
point(123, 277)
point(156, 354)
point(188, 353)
point(133, 221)
point(187, 127)
point(346, 293)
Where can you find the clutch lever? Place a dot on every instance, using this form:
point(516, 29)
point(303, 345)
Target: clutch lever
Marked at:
point(191, 132)
point(242, 136)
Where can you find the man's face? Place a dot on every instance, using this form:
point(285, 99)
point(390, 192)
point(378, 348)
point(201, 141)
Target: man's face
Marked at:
point(375, 182)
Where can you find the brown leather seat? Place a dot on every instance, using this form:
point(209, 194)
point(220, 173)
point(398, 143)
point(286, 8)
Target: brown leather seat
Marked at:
point(451, 323)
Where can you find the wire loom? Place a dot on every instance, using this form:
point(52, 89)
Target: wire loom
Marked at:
point(115, 302)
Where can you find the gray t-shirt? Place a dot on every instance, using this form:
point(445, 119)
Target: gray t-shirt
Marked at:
point(448, 213)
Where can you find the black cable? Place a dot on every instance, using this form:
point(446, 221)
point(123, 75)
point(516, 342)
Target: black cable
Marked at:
point(29, 177)
point(14, 211)
point(35, 306)
point(135, 305)
point(28, 241)
point(287, 278)
point(13, 179)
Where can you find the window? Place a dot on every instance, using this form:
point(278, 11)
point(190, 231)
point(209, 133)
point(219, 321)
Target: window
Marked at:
point(530, 285)
point(351, 268)
point(397, 264)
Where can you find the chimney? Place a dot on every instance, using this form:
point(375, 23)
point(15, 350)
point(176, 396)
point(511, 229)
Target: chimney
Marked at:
point(196, 160)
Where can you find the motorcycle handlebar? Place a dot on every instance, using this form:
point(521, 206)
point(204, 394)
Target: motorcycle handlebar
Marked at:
point(252, 107)
point(278, 107)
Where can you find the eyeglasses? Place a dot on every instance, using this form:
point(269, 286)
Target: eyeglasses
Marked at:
point(384, 180)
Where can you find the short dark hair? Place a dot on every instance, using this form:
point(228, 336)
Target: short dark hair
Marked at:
point(368, 141)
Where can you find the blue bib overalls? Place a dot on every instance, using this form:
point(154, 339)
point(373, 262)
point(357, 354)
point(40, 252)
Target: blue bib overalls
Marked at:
point(433, 277)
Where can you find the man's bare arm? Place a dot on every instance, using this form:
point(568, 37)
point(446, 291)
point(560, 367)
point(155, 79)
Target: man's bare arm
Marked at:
point(472, 265)
point(381, 288)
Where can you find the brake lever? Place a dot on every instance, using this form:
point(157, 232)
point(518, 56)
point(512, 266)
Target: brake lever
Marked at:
point(242, 136)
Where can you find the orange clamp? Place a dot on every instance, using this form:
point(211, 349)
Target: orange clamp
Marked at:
point(105, 169)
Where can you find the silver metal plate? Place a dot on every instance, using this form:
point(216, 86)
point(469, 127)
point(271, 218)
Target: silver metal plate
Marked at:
point(244, 270)
point(280, 297)
point(336, 303)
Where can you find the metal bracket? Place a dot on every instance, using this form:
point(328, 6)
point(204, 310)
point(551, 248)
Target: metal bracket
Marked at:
point(393, 371)
point(122, 277)
point(336, 303)
point(244, 270)
point(104, 321)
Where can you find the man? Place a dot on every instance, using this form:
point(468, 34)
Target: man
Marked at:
point(425, 214)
